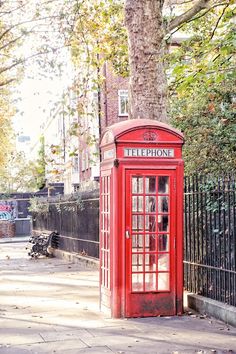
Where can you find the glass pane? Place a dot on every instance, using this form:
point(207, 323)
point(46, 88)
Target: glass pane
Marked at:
point(137, 185)
point(104, 185)
point(137, 263)
point(102, 221)
point(105, 221)
point(137, 223)
point(150, 243)
point(150, 223)
point(163, 184)
point(137, 243)
point(150, 204)
point(137, 204)
point(108, 203)
point(137, 268)
point(150, 282)
point(150, 262)
point(163, 262)
point(123, 104)
point(163, 243)
point(150, 185)
point(163, 223)
point(163, 281)
point(108, 221)
point(137, 282)
point(163, 204)
point(105, 203)
point(105, 240)
point(105, 259)
point(108, 185)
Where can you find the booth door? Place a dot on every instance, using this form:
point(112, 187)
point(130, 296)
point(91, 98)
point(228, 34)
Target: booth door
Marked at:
point(150, 243)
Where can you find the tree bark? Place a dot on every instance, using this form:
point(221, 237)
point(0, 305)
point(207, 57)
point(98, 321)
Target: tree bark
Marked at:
point(148, 88)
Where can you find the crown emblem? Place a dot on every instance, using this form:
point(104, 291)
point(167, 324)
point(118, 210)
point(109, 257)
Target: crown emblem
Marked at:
point(150, 136)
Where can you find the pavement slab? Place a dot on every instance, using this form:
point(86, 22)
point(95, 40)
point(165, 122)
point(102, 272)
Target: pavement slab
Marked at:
point(49, 305)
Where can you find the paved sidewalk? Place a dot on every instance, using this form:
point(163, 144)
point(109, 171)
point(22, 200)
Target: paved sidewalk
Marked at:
point(51, 306)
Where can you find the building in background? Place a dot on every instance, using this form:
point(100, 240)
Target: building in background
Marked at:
point(72, 138)
point(103, 108)
point(114, 98)
point(23, 144)
point(61, 145)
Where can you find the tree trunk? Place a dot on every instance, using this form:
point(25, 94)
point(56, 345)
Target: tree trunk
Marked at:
point(148, 88)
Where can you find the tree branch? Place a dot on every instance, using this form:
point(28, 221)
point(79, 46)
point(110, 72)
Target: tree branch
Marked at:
point(8, 30)
point(190, 20)
point(24, 60)
point(11, 10)
point(7, 82)
point(218, 21)
point(8, 44)
point(186, 16)
point(197, 17)
point(179, 3)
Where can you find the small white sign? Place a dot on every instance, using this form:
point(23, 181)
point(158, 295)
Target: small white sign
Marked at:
point(108, 154)
point(149, 152)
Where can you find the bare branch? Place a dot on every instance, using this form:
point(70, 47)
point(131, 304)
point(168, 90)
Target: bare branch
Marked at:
point(218, 21)
point(7, 82)
point(199, 16)
point(10, 11)
point(192, 19)
point(182, 2)
point(186, 16)
point(8, 30)
point(6, 68)
point(24, 60)
point(6, 45)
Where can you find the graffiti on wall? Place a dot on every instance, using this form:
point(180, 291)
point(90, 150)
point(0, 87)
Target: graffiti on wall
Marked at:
point(8, 209)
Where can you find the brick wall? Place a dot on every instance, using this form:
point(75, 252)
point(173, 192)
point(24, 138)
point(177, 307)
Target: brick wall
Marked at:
point(7, 228)
point(109, 100)
point(109, 97)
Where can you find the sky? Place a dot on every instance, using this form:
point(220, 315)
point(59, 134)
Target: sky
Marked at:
point(40, 89)
point(37, 97)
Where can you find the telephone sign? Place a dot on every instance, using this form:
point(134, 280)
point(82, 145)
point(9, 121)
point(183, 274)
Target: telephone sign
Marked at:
point(144, 152)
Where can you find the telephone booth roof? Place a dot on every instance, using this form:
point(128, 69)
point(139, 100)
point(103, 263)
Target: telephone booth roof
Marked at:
point(115, 131)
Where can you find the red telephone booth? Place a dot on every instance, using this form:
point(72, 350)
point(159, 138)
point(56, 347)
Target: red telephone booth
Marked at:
point(141, 219)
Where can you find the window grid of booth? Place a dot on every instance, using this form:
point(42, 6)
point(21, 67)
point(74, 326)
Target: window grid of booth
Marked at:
point(150, 220)
point(105, 232)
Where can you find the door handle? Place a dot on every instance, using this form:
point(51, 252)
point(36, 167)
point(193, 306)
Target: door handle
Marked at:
point(127, 235)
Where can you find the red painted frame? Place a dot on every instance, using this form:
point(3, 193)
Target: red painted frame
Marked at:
point(151, 303)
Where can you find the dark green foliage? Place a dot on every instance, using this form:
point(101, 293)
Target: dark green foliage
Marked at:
point(203, 94)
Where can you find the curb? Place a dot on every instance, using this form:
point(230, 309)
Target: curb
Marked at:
point(76, 258)
point(220, 311)
point(14, 239)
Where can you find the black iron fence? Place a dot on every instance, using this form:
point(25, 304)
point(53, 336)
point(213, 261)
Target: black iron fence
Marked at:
point(76, 220)
point(210, 237)
point(210, 233)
